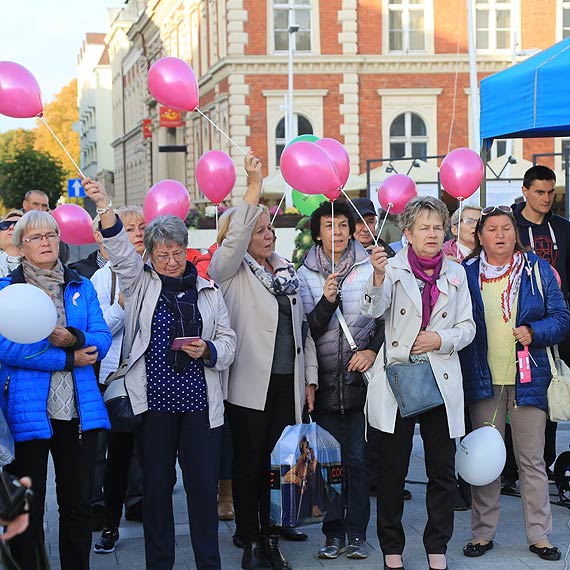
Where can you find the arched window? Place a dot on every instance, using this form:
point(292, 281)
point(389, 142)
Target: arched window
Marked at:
point(408, 136)
point(301, 126)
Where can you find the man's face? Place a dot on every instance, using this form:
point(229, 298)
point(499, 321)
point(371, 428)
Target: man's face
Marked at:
point(540, 196)
point(362, 231)
point(36, 202)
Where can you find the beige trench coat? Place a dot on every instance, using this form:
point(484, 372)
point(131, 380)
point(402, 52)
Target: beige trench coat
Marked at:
point(398, 299)
point(253, 315)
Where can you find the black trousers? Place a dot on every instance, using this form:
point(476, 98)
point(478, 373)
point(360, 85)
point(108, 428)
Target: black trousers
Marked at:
point(161, 438)
point(74, 463)
point(255, 434)
point(395, 450)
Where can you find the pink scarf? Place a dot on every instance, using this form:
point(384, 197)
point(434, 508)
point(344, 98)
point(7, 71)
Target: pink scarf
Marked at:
point(430, 293)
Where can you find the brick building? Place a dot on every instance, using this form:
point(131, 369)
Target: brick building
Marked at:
point(387, 78)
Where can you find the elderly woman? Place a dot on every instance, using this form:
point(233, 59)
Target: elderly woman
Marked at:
point(271, 377)
point(464, 240)
point(178, 340)
point(329, 295)
point(517, 305)
point(425, 301)
point(9, 253)
point(51, 399)
point(120, 461)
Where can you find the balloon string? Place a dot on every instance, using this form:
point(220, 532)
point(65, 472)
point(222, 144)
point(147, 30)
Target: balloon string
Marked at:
point(384, 220)
point(277, 209)
point(63, 147)
point(360, 216)
point(332, 236)
point(492, 422)
point(217, 207)
point(459, 227)
point(216, 126)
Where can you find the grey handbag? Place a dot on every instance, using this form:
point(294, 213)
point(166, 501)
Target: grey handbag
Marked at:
point(414, 387)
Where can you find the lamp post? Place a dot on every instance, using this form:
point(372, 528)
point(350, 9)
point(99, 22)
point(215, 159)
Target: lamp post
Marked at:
point(293, 29)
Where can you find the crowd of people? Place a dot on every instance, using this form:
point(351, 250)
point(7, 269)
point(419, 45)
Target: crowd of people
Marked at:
point(219, 356)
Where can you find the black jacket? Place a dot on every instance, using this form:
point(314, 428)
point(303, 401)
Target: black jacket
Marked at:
point(86, 267)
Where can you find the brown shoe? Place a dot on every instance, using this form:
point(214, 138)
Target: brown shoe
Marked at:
point(225, 501)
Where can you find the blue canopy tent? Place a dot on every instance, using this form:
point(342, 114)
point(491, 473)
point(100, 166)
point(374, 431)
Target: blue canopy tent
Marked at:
point(528, 100)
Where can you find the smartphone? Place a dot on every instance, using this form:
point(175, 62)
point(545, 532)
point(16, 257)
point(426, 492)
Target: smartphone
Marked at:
point(181, 341)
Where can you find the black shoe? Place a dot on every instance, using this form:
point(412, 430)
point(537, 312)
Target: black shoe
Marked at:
point(509, 488)
point(106, 544)
point(97, 517)
point(135, 512)
point(291, 533)
point(253, 556)
point(550, 474)
point(546, 552)
point(476, 550)
point(238, 542)
point(407, 495)
point(273, 554)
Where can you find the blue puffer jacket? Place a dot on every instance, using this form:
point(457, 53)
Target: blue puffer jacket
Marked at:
point(25, 369)
point(549, 320)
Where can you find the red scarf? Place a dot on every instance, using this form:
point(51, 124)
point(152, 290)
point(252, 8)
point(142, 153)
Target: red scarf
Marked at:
point(430, 293)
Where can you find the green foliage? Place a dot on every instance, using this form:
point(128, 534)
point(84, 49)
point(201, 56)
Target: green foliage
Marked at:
point(303, 241)
point(29, 169)
point(15, 140)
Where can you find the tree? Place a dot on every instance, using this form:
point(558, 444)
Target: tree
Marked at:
point(30, 169)
point(60, 115)
point(14, 140)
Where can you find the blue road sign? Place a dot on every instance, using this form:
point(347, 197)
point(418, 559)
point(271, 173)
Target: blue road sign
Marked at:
point(74, 188)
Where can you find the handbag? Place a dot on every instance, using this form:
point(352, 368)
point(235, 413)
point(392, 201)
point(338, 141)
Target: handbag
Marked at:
point(558, 393)
point(414, 387)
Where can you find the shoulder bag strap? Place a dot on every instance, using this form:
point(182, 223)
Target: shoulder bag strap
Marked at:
point(113, 286)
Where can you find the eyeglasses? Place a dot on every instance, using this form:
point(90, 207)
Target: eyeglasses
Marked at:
point(36, 239)
point(469, 221)
point(6, 225)
point(165, 258)
point(490, 209)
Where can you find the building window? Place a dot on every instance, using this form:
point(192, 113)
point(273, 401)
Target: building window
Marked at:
point(565, 149)
point(407, 25)
point(301, 126)
point(493, 21)
point(565, 19)
point(408, 136)
point(287, 13)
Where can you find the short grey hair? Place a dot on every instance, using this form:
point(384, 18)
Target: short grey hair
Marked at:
point(33, 220)
point(455, 215)
point(419, 204)
point(164, 229)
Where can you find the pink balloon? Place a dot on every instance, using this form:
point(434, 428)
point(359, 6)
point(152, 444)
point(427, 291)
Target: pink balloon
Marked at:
point(20, 94)
point(216, 175)
point(166, 197)
point(332, 195)
point(75, 224)
point(309, 168)
point(339, 156)
point(461, 172)
point(172, 82)
point(395, 192)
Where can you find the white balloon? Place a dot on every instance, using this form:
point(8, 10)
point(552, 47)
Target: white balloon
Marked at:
point(27, 314)
point(481, 456)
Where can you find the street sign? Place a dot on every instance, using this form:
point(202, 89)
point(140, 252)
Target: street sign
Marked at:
point(74, 188)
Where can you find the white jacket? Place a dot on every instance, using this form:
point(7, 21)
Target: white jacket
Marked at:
point(114, 316)
point(398, 299)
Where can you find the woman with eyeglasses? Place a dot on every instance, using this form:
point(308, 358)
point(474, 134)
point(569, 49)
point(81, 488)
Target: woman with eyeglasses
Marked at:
point(517, 306)
point(178, 339)
point(9, 253)
point(50, 397)
point(463, 231)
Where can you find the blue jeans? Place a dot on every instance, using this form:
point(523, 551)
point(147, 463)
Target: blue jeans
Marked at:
point(348, 430)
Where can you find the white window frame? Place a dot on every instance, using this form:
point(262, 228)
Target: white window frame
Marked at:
point(408, 139)
point(561, 5)
point(307, 102)
point(429, 32)
point(492, 30)
point(314, 31)
point(294, 133)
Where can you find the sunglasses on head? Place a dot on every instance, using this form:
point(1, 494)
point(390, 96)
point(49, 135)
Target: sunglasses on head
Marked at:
point(6, 225)
point(501, 209)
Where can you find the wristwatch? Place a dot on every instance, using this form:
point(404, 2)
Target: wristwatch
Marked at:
point(101, 211)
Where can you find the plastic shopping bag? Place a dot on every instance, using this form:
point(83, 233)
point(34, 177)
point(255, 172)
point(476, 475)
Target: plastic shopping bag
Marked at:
point(306, 477)
point(6, 442)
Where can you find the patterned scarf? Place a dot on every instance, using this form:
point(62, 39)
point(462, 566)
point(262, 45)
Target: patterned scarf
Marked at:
point(283, 282)
point(512, 270)
point(430, 294)
point(50, 281)
point(344, 265)
point(180, 295)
